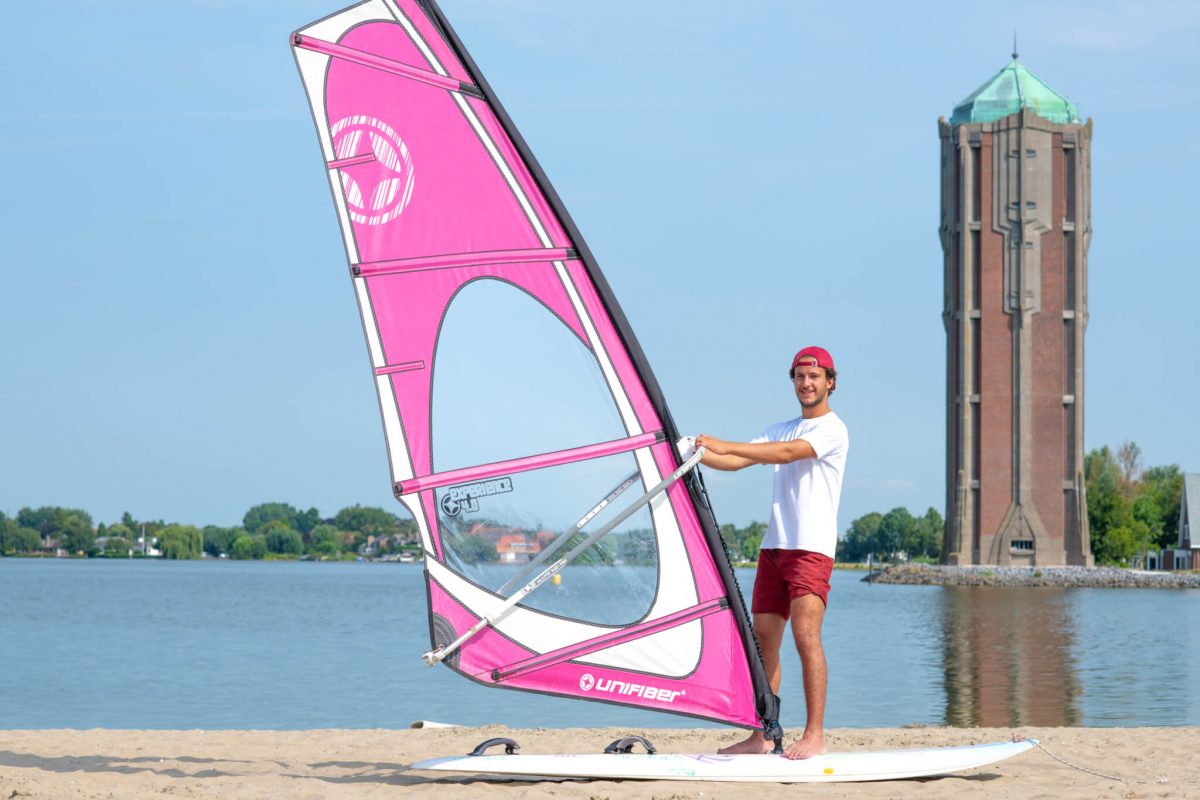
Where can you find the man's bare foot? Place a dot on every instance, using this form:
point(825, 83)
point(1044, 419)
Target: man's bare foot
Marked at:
point(755, 744)
point(807, 746)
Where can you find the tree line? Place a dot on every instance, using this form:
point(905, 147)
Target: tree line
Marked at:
point(1131, 509)
point(268, 530)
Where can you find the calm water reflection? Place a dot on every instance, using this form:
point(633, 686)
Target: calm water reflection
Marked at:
point(1008, 656)
point(151, 644)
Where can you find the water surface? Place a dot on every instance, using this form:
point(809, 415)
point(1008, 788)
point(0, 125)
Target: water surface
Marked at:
point(220, 644)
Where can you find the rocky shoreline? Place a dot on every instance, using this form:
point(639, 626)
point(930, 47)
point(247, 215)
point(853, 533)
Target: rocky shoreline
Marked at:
point(1092, 577)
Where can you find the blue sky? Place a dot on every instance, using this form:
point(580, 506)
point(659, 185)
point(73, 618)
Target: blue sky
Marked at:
point(178, 336)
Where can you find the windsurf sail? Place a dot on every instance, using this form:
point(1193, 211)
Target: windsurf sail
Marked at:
point(569, 548)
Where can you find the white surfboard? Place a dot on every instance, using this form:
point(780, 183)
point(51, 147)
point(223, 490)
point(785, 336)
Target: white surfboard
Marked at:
point(881, 765)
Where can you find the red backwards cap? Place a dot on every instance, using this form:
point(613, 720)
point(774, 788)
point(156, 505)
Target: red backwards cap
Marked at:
point(813, 356)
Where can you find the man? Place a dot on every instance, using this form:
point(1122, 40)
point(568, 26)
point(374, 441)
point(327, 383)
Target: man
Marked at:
point(796, 560)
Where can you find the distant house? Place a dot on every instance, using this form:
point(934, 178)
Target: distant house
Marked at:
point(1186, 553)
point(147, 546)
point(102, 544)
point(493, 533)
point(516, 548)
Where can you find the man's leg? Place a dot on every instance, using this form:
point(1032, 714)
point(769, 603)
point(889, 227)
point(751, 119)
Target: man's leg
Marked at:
point(807, 614)
point(768, 628)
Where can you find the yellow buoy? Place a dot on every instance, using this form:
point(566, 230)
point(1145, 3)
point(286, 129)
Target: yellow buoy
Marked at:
point(556, 579)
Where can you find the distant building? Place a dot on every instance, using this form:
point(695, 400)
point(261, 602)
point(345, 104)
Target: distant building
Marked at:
point(1015, 228)
point(516, 548)
point(1186, 553)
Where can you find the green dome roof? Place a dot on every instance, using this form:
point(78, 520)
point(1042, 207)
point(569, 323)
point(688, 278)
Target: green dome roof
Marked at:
point(1012, 89)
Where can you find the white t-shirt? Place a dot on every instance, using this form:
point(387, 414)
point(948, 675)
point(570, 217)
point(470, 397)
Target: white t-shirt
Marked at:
point(806, 492)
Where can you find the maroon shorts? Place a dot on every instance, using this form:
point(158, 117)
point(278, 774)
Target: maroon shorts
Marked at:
point(784, 575)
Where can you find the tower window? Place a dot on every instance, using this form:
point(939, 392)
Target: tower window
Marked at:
point(1022, 544)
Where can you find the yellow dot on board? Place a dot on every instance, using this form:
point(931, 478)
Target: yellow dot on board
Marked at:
point(829, 770)
point(556, 579)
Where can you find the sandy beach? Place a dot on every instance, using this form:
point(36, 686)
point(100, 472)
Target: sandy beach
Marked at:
point(121, 764)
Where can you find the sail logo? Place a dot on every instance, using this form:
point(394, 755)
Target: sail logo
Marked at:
point(588, 682)
point(465, 496)
point(379, 183)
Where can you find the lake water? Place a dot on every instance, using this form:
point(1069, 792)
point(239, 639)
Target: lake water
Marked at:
point(189, 644)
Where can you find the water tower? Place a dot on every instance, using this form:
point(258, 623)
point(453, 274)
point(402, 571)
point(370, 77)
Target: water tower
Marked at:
point(1015, 228)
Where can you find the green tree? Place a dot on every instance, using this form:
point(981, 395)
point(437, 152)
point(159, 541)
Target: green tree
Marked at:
point(750, 539)
point(925, 536)
point(25, 540)
point(305, 521)
point(117, 547)
point(181, 542)
point(895, 528)
point(1129, 462)
point(1123, 543)
point(246, 547)
point(70, 526)
point(743, 543)
point(860, 539)
point(120, 529)
point(1159, 502)
point(75, 532)
point(1109, 508)
point(282, 540)
point(219, 541)
point(263, 513)
point(367, 520)
point(16, 539)
point(323, 541)
point(40, 519)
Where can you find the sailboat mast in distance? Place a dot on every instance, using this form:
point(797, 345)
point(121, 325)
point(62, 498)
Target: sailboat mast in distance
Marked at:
point(569, 549)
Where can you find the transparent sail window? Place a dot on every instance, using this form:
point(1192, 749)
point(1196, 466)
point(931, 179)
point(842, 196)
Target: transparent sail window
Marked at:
point(511, 380)
point(503, 532)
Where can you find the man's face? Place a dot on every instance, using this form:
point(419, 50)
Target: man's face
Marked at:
point(812, 386)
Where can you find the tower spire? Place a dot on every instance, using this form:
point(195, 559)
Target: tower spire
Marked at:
point(1014, 44)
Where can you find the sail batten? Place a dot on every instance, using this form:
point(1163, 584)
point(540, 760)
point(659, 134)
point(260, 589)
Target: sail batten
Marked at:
point(407, 366)
point(387, 65)
point(493, 335)
point(444, 261)
point(539, 461)
point(342, 163)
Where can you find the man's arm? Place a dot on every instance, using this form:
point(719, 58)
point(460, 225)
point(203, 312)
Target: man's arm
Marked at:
point(720, 454)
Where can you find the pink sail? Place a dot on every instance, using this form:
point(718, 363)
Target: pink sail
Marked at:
point(514, 395)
